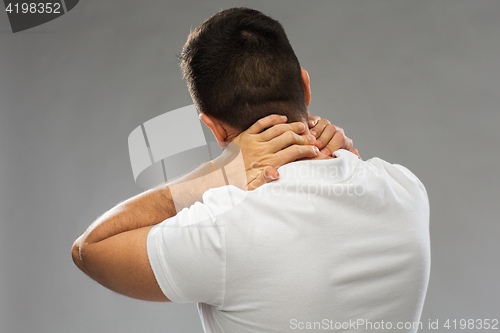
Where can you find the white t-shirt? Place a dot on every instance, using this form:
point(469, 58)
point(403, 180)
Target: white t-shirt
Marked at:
point(333, 245)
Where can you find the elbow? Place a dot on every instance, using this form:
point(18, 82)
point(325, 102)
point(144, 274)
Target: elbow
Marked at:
point(78, 254)
point(75, 253)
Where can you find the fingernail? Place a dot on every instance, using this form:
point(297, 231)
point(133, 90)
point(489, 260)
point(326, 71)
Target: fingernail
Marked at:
point(312, 138)
point(302, 127)
point(319, 142)
point(283, 117)
point(273, 176)
point(316, 150)
point(313, 132)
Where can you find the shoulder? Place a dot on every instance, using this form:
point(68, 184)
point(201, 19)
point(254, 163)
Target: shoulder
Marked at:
point(403, 181)
point(398, 172)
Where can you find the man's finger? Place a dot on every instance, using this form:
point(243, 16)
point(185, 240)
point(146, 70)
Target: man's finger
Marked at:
point(290, 138)
point(327, 135)
point(279, 129)
point(320, 126)
point(348, 144)
point(355, 151)
point(267, 175)
point(294, 153)
point(266, 122)
point(335, 143)
point(313, 120)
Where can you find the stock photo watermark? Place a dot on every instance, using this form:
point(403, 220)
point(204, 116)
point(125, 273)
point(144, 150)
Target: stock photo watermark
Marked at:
point(310, 190)
point(364, 324)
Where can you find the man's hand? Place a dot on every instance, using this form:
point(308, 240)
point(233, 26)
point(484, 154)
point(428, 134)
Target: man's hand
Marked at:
point(271, 143)
point(329, 137)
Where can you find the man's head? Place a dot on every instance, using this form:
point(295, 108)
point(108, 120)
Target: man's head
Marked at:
point(240, 67)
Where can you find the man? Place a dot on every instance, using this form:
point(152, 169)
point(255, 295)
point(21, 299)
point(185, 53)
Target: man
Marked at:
point(333, 244)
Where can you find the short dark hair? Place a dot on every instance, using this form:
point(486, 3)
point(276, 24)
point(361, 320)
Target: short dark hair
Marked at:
point(240, 67)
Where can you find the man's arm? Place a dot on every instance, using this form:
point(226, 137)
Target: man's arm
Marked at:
point(113, 249)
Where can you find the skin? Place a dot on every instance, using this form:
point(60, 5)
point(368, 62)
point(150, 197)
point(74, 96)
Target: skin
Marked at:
point(113, 252)
point(324, 135)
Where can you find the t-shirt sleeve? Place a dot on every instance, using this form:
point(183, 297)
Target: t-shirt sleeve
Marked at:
point(187, 254)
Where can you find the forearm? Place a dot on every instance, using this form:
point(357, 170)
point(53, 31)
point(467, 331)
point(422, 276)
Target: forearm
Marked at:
point(145, 209)
point(153, 206)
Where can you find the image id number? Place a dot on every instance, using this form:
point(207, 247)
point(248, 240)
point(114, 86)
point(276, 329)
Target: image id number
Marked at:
point(32, 8)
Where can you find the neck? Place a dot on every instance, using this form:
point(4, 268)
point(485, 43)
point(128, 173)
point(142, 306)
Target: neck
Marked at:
point(231, 135)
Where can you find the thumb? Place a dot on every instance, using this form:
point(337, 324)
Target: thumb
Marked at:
point(267, 175)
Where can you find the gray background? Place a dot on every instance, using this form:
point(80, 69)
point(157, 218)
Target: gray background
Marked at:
point(412, 82)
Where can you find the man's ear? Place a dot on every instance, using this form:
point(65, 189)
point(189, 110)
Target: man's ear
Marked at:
point(216, 127)
point(306, 82)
